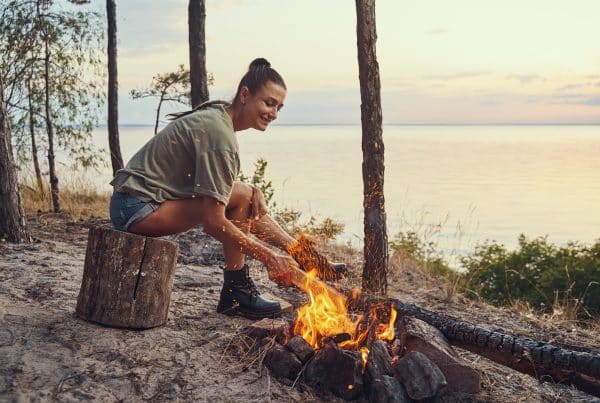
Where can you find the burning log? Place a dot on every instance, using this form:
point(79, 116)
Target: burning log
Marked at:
point(127, 279)
point(542, 360)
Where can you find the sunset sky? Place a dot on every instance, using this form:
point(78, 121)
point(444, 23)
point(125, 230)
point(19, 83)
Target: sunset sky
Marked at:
point(465, 61)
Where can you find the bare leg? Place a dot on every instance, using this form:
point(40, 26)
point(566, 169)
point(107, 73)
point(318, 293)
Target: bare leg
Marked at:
point(268, 230)
point(265, 228)
point(238, 212)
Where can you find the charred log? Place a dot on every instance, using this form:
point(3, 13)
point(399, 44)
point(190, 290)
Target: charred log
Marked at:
point(539, 359)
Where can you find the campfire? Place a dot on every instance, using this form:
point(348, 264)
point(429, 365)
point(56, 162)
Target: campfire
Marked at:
point(353, 353)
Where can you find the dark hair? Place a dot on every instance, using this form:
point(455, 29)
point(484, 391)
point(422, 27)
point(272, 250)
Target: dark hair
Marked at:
point(259, 73)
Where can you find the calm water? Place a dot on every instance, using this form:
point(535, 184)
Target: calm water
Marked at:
point(456, 185)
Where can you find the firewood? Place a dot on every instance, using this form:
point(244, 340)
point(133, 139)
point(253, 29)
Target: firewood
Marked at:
point(301, 348)
point(282, 362)
point(388, 389)
point(337, 371)
point(420, 376)
point(539, 359)
point(416, 335)
point(267, 327)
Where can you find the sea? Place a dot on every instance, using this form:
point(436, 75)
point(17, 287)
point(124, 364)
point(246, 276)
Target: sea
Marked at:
point(455, 186)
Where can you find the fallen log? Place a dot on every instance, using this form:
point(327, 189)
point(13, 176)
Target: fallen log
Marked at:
point(539, 359)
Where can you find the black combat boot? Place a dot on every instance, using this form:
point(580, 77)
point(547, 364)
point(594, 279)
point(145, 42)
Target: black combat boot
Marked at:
point(239, 296)
point(308, 258)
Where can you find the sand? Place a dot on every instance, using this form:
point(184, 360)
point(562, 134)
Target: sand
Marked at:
point(48, 354)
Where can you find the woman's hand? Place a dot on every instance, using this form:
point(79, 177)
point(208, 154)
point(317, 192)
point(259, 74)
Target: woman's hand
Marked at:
point(259, 205)
point(280, 269)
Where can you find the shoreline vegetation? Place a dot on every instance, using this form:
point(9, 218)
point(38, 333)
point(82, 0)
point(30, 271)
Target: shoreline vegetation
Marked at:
point(560, 283)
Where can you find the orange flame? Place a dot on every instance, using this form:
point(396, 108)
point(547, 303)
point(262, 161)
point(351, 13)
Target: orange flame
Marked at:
point(386, 332)
point(325, 314)
point(364, 354)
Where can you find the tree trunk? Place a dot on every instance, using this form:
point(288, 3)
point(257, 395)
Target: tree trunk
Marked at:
point(158, 113)
point(197, 44)
point(50, 130)
point(376, 243)
point(113, 89)
point(127, 279)
point(34, 150)
point(13, 223)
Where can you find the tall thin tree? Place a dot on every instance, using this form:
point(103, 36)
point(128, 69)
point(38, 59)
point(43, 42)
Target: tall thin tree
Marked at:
point(48, 117)
point(197, 44)
point(13, 223)
point(376, 242)
point(113, 89)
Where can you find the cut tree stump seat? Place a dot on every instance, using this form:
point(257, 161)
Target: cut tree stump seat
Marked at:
point(127, 279)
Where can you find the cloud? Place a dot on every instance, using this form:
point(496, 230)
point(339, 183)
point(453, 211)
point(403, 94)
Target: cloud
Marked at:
point(593, 76)
point(570, 87)
point(526, 78)
point(597, 84)
point(456, 76)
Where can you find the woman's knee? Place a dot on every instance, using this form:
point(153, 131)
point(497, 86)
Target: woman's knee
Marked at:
point(241, 195)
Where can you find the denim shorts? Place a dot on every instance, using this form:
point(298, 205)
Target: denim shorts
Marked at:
point(126, 209)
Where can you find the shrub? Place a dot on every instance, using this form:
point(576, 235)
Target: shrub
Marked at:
point(544, 275)
point(408, 246)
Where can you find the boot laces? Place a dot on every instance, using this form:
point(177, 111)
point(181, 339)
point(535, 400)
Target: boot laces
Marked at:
point(250, 284)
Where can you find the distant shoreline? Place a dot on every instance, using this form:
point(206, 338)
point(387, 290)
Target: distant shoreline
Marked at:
point(130, 125)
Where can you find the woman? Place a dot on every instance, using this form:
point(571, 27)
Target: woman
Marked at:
point(186, 176)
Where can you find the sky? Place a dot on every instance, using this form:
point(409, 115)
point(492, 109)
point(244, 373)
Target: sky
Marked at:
point(441, 62)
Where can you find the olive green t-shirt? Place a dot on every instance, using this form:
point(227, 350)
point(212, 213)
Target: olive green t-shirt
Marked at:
point(195, 155)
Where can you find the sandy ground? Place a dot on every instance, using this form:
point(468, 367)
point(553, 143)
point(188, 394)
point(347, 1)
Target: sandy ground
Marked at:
point(48, 354)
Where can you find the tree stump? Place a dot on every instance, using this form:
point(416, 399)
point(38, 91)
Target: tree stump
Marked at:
point(127, 279)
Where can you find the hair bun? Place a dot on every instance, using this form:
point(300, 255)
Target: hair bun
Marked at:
point(259, 63)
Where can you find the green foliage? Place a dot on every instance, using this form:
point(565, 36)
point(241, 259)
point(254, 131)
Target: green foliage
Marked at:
point(408, 246)
point(260, 180)
point(537, 272)
point(290, 220)
point(75, 42)
point(173, 86)
point(168, 87)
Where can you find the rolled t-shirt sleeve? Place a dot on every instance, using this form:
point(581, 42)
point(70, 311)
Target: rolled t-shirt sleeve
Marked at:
point(216, 171)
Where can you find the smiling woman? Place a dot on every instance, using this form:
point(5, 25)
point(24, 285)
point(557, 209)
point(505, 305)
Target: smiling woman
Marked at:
point(186, 176)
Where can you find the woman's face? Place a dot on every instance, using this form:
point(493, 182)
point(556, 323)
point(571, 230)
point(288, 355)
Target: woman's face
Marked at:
point(262, 107)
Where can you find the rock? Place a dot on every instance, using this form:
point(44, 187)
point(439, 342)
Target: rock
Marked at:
point(420, 376)
point(282, 362)
point(337, 371)
point(417, 335)
point(388, 390)
point(301, 348)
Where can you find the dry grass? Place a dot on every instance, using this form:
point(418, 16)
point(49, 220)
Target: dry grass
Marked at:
point(78, 200)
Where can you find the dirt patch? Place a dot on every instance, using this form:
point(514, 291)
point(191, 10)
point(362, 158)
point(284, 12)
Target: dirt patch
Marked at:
point(47, 353)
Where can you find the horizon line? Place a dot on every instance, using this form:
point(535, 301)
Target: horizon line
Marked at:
point(103, 125)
